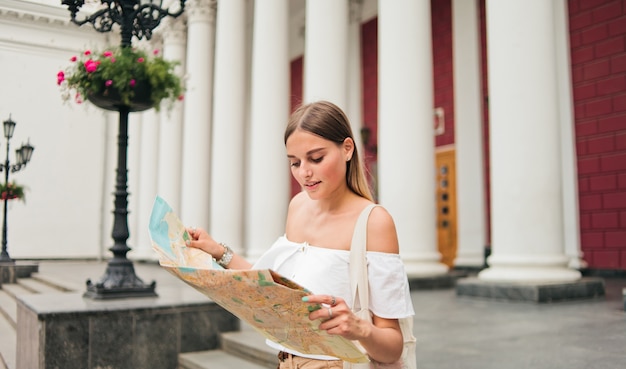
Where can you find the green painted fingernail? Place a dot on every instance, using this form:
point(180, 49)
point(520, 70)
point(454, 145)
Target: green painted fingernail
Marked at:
point(305, 298)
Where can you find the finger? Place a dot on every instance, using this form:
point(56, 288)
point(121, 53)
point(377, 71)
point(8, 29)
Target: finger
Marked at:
point(322, 299)
point(330, 313)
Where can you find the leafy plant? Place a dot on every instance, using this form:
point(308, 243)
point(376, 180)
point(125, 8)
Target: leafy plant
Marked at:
point(121, 70)
point(11, 191)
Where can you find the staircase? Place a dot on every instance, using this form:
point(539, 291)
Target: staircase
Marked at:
point(245, 349)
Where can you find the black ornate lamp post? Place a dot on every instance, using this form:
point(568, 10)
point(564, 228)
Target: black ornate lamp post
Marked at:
point(22, 156)
point(136, 18)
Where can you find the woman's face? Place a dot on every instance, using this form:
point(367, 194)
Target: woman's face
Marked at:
point(319, 165)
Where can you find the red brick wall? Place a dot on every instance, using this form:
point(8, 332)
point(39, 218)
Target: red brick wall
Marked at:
point(369, 71)
point(485, 109)
point(598, 51)
point(296, 99)
point(441, 12)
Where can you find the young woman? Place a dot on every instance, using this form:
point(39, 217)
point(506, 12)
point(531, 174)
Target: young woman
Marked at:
point(315, 249)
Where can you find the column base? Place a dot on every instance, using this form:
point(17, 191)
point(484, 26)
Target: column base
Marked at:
point(530, 274)
point(538, 292)
point(434, 282)
point(415, 269)
point(577, 263)
point(470, 262)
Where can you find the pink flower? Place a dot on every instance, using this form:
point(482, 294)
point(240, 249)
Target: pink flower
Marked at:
point(112, 59)
point(91, 66)
point(132, 83)
point(107, 54)
point(73, 58)
point(140, 60)
point(60, 77)
point(78, 98)
point(108, 83)
point(181, 97)
point(87, 52)
point(155, 52)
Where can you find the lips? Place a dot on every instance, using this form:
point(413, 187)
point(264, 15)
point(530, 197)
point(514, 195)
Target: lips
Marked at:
point(312, 185)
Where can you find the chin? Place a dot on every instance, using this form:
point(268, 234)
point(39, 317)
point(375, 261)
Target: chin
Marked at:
point(313, 195)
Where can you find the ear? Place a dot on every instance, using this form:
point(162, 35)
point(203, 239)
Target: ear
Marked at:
point(348, 148)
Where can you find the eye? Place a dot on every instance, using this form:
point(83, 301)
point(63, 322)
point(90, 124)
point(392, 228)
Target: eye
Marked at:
point(317, 160)
point(294, 164)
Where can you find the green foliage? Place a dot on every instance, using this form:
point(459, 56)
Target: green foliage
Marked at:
point(11, 191)
point(122, 69)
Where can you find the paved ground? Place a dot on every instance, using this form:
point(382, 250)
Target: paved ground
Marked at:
point(461, 332)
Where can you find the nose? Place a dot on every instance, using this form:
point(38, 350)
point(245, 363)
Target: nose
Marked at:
point(304, 171)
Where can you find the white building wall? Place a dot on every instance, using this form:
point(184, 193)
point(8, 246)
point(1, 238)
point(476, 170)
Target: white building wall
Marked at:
point(63, 213)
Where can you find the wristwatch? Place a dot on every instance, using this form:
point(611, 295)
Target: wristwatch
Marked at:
point(226, 257)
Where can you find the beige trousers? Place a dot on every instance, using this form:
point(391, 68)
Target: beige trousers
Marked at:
point(288, 361)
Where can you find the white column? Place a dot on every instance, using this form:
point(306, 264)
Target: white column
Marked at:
point(527, 203)
point(571, 221)
point(468, 135)
point(326, 51)
point(269, 114)
point(354, 105)
point(195, 195)
point(147, 176)
point(406, 146)
point(229, 114)
point(171, 129)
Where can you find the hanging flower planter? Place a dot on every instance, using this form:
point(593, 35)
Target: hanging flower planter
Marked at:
point(111, 98)
point(12, 191)
point(121, 77)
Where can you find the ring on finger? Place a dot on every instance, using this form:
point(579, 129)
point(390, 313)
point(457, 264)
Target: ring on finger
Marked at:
point(330, 313)
point(333, 302)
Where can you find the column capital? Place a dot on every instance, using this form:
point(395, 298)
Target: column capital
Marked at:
point(174, 31)
point(201, 11)
point(356, 10)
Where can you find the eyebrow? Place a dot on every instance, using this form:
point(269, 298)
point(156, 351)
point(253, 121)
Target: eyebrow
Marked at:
point(308, 152)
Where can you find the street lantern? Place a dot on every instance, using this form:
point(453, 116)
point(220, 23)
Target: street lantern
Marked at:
point(9, 127)
point(22, 157)
point(136, 18)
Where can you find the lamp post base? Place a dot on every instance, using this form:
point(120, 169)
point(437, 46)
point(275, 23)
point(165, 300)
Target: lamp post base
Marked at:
point(119, 281)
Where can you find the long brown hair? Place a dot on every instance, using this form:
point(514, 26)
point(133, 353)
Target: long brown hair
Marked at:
point(327, 120)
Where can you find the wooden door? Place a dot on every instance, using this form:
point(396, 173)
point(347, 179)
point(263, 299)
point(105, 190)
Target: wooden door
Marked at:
point(446, 206)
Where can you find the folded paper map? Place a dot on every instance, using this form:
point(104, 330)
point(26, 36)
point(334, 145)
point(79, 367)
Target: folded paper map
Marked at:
point(269, 302)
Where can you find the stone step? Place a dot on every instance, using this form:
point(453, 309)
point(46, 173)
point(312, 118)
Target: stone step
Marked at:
point(8, 323)
point(215, 359)
point(249, 345)
point(8, 308)
point(36, 286)
point(58, 283)
point(8, 344)
point(14, 289)
point(242, 349)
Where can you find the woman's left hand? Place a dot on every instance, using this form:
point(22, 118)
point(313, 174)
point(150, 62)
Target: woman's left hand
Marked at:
point(337, 317)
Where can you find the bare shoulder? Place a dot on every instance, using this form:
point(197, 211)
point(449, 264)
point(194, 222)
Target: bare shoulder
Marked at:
point(297, 202)
point(381, 232)
point(295, 208)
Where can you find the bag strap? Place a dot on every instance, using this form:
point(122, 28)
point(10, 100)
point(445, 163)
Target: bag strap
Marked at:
point(358, 263)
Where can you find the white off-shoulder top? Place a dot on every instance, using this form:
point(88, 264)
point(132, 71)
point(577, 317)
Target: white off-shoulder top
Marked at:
point(326, 271)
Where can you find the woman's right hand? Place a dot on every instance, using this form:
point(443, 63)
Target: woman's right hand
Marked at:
point(200, 239)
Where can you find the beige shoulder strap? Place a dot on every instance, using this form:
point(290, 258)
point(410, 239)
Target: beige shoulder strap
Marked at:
point(358, 262)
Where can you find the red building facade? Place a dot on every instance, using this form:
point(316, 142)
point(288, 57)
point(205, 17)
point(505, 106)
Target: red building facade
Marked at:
point(597, 37)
